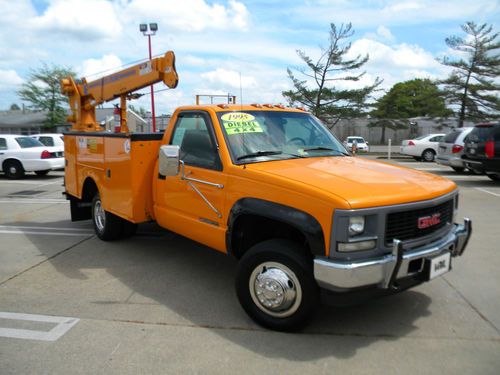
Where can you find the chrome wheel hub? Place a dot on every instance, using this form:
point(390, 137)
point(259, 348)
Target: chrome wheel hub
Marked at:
point(275, 289)
point(99, 216)
point(12, 169)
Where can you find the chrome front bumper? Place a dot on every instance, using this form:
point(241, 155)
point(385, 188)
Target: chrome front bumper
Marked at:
point(385, 271)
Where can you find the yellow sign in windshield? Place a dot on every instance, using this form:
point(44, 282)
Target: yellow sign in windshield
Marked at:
point(240, 122)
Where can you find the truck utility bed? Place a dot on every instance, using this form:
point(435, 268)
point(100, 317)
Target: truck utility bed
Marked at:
point(121, 164)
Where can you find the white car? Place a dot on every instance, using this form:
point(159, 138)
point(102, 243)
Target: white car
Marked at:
point(361, 144)
point(50, 139)
point(20, 154)
point(423, 148)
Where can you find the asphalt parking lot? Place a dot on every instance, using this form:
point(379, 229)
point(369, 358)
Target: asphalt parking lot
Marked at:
point(159, 303)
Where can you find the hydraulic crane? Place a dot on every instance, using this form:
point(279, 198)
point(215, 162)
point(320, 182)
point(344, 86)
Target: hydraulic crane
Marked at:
point(85, 96)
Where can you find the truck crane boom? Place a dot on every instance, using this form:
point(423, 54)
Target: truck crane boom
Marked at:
point(85, 96)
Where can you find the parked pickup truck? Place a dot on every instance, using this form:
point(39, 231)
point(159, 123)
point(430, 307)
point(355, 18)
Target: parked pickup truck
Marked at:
point(272, 187)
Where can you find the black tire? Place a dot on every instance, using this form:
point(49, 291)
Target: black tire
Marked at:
point(458, 169)
point(13, 169)
point(428, 155)
point(280, 257)
point(128, 228)
point(42, 173)
point(494, 177)
point(108, 227)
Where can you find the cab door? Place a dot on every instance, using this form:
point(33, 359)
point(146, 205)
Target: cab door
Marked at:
point(192, 202)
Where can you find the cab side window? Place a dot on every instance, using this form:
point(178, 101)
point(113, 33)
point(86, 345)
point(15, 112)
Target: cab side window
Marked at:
point(197, 147)
point(3, 144)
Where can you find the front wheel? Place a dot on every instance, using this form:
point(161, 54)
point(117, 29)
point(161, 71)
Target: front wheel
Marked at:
point(107, 226)
point(275, 285)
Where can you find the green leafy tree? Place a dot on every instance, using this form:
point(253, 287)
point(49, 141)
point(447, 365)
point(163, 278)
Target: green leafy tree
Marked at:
point(472, 87)
point(139, 110)
point(325, 99)
point(43, 92)
point(405, 100)
point(14, 107)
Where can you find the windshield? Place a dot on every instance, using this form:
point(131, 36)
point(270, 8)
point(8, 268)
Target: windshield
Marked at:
point(27, 142)
point(255, 136)
point(357, 139)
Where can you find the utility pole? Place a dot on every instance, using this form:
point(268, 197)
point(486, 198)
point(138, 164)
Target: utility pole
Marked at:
point(153, 28)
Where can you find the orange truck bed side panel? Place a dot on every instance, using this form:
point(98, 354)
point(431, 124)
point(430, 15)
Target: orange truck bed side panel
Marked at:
point(121, 168)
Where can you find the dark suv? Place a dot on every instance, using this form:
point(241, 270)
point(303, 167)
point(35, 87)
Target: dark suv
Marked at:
point(482, 149)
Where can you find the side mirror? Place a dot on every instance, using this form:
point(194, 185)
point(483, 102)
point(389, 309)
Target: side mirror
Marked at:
point(168, 165)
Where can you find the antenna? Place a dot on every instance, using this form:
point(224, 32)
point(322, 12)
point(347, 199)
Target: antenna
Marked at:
point(241, 94)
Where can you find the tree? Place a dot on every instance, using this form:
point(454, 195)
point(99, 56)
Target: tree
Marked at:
point(326, 99)
point(14, 107)
point(43, 92)
point(139, 110)
point(473, 85)
point(405, 100)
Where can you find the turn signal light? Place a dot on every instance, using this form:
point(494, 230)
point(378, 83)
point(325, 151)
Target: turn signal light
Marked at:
point(489, 149)
point(456, 148)
point(411, 143)
point(45, 154)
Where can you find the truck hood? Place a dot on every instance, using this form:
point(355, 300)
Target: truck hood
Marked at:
point(361, 182)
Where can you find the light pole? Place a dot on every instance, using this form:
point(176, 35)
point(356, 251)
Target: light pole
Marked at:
point(153, 28)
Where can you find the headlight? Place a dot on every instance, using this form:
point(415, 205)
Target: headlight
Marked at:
point(356, 225)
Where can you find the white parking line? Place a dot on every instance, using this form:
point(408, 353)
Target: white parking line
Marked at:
point(64, 324)
point(487, 191)
point(47, 228)
point(3, 231)
point(15, 182)
point(408, 163)
point(33, 200)
point(470, 178)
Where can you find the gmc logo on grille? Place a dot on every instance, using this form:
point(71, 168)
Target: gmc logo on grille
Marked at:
point(429, 221)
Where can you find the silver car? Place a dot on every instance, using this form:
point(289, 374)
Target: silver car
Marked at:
point(451, 149)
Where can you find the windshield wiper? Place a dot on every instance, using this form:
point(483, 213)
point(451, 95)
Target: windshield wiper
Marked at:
point(259, 153)
point(320, 148)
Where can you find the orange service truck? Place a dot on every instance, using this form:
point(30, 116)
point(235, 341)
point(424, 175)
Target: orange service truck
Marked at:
point(268, 185)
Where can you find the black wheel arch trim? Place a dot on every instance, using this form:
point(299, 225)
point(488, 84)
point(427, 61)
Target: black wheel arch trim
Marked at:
point(300, 220)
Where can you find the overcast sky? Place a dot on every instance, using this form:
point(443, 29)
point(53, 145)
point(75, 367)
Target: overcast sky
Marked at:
point(216, 41)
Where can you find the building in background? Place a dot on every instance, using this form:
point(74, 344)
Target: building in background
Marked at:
point(21, 121)
point(28, 122)
point(136, 124)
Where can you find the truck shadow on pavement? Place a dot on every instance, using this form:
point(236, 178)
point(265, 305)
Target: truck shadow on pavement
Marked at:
point(160, 278)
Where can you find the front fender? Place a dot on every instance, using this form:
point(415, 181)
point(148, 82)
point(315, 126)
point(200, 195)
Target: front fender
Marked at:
point(297, 219)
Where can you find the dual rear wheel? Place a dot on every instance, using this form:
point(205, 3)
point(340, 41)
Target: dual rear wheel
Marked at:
point(108, 226)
